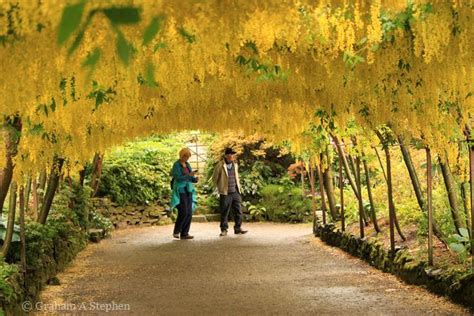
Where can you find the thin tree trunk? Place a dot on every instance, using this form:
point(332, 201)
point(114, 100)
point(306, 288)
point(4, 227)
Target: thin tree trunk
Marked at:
point(97, 173)
point(329, 188)
point(42, 186)
point(361, 205)
point(381, 164)
point(341, 153)
point(341, 187)
point(321, 190)
point(313, 197)
point(22, 229)
point(35, 198)
point(12, 129)
point(27, 194)
point(416, 185)
point(51, 190)
point(82, 176)
point(391, 208)
point(11, 220)
point(352, 165)
point(373, 215)
point(429, 186)
point(465, 198)
point(452, 195)
point(358, 179)
point(391, 204)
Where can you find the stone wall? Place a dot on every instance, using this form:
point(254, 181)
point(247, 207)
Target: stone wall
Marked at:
point(459, 287)
point(121, 216)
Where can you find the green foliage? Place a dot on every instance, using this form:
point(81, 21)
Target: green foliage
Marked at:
point(6, 288)
point(139, 172)
point(70, 21)
point(97, 220)
point(285, 204)
point(252, 180)
point(258, 212)
point(461, 244)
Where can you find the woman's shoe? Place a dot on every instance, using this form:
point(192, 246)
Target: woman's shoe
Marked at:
point(187, 237)
point(176, 235)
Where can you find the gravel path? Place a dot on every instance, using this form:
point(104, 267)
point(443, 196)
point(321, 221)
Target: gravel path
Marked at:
point(274, 269)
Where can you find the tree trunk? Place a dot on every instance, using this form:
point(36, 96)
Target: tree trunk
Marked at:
point(96, 173)
point(381, 164)
point(373, 215)
point(11, 220)
point(82, 176)
point(452, 195)
point(341, 187)
point(51, 190)
point(391, 203)
point(42, 186)
point(35, 198)
point(429, 195)
point(361, 205)
point(27, 193)
point(313, 191)
point(465, 198)
point(329, 188)
point(341, 153)
point(22, 229)
point(321, 190)
point(416, 185)
point(12, 129)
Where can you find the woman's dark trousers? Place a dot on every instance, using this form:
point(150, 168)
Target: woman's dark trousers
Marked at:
point(185, 214)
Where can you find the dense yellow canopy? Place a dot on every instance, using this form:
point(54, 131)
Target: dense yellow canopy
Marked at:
point(256, 65)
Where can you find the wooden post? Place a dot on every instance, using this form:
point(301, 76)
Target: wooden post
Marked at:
point(361, 205)
point(429, 187)
point(341, 187)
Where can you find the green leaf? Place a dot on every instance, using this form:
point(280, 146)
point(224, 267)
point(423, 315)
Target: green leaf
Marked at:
point(150, 75)
point(158, 46)
point(152, 30)
point(188, 36)
point(123, 15)
point(464, 232)
point(70, 21)
point(124, 48)
point(92, 58)
point(459, 248)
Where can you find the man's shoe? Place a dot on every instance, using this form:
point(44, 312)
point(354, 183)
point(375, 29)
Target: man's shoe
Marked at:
point(176, 235)
point(223, 233)
point(241, 232)
point(187, 237)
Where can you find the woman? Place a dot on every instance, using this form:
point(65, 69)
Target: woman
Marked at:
point(184, 194)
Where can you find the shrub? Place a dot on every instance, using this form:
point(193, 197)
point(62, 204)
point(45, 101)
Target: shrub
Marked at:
point(285, 204)
point(139, 172)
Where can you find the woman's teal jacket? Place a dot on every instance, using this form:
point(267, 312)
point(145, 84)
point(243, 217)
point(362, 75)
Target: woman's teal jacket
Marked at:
point(182, 183)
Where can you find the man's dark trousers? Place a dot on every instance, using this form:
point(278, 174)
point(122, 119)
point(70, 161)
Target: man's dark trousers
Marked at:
point(228, 202)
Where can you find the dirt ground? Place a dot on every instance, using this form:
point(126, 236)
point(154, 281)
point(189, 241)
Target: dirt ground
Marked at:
point(275, 269)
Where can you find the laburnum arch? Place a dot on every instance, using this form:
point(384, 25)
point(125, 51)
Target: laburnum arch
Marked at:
point(78, 77)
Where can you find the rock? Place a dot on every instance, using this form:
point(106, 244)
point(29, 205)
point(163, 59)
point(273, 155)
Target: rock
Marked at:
point(96, 234)
point(53, 281)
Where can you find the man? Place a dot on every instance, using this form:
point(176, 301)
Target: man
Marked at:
point(226, 180)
